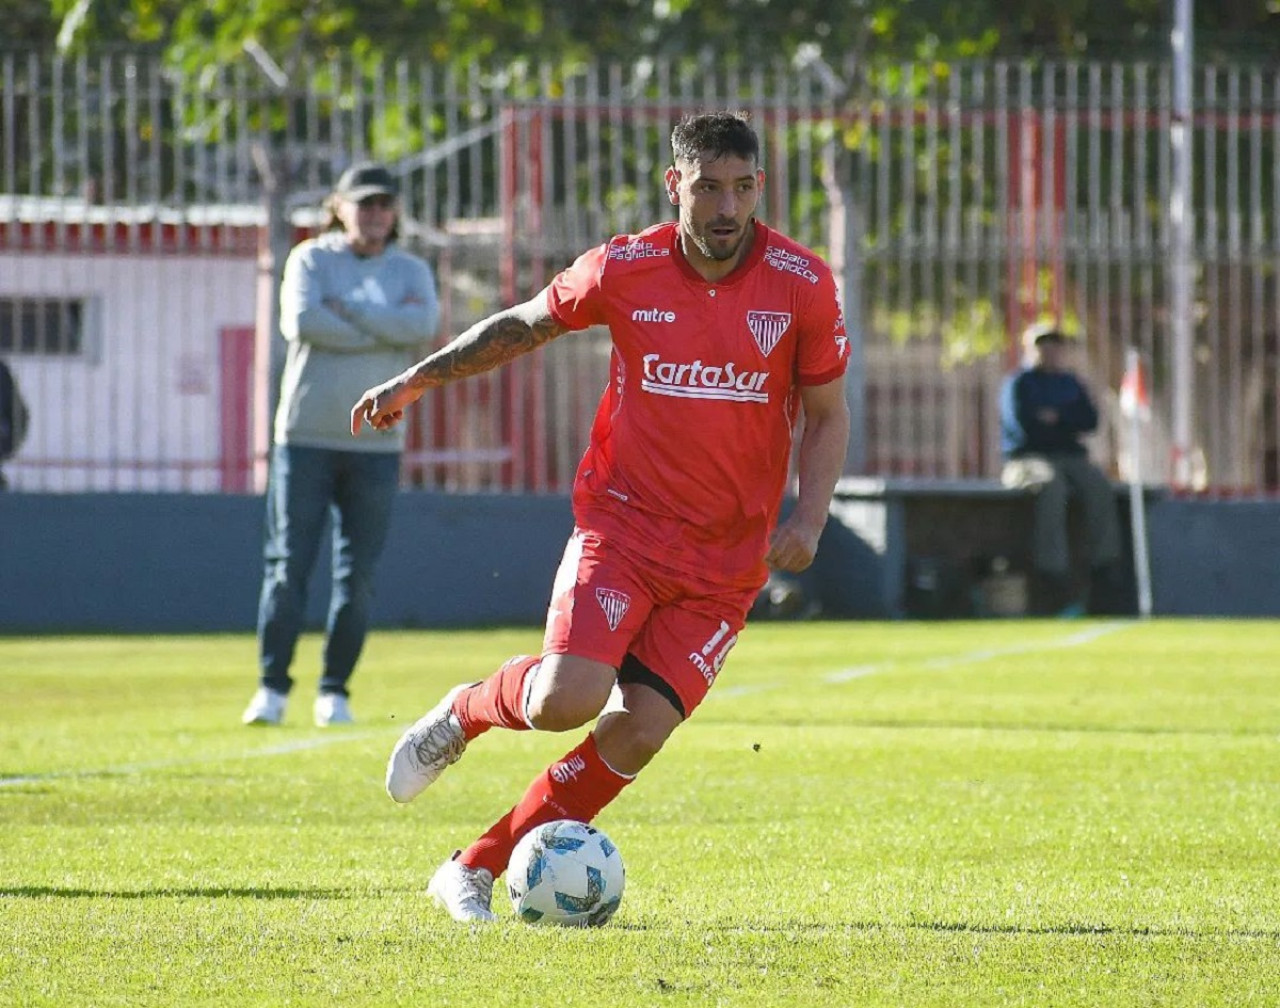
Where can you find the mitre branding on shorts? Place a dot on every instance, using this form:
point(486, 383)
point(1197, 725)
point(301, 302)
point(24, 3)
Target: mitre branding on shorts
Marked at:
point(615, 605)
point(767, 327)
point(696, 380)
point(712, 654)
point(633, 250)
point(789, 262)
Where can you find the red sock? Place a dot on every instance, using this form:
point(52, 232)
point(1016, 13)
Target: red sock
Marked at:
point(498, 702)
point(575, 787)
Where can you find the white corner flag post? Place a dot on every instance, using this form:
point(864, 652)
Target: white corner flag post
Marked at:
point(1135, 403)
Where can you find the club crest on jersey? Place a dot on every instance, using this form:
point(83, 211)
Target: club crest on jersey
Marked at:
point(767, 327)
point(615, 605)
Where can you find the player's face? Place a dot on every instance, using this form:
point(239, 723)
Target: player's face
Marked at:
point(368, 223)
point(717, 200)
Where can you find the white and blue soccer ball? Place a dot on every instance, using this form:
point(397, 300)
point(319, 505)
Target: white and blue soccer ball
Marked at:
point(566, 873)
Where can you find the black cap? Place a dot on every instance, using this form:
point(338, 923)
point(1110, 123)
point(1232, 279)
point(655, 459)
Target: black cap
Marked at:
point(1042, 333)
point(366, 179)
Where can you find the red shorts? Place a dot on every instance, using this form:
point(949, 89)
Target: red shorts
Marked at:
point(607, 603)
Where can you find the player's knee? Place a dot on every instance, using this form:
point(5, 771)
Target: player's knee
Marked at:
point(566, 694)
point(561, 710)
point(628, 743)
point(645, 742)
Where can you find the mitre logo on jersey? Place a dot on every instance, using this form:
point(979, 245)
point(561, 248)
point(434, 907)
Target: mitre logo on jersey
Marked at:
point(653, 315)
point(703, 381)
point(615, 605)
point(767, 327)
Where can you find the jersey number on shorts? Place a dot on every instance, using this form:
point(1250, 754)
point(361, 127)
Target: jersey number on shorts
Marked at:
point(712, 654)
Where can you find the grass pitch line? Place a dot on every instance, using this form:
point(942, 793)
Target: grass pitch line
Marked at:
point(130, 769)
point(1085, 636)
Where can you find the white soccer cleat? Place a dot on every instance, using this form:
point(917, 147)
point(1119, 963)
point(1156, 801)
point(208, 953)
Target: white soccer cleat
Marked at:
point(433, 742)
point(465, 892)
point(266, 707)
point(331, 709)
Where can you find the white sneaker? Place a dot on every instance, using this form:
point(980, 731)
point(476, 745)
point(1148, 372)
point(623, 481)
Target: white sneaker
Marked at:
point(331, 709)
point(266, 707)
point(465, 892)
point(432, 743)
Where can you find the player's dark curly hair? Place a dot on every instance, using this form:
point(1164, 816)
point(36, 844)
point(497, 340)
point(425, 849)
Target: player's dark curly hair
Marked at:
point(713, 135)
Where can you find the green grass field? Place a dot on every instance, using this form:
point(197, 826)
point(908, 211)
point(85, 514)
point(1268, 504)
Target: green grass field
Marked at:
point(997, 813)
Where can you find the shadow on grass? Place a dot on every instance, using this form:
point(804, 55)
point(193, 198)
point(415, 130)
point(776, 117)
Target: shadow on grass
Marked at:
point(961, 927)
point(1094, 929)
point(818, 928)
point(164, 892)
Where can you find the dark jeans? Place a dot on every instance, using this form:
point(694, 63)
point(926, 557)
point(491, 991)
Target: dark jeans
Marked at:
point(1067, 477)
point(306, 486)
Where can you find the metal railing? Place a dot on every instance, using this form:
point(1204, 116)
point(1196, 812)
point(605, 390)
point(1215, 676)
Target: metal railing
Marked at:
point(956, 202)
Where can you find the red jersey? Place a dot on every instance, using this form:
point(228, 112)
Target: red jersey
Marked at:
point(690, 447)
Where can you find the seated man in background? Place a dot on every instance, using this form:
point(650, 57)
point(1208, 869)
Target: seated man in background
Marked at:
point(1044, 411)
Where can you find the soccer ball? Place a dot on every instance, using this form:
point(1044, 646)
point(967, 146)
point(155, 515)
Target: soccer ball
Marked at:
point(567, 873)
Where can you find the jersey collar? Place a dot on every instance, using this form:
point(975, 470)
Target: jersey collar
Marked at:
point(758, 246)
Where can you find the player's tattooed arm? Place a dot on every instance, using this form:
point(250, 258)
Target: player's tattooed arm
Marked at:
point(488, 344)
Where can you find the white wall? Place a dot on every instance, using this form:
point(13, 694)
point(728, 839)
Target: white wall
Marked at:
point(140, 409)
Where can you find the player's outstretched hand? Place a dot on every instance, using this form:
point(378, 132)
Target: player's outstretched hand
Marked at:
point(382, 407)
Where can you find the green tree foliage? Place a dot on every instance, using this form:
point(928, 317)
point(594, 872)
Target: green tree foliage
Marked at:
point(28, 22)
point(446, 31)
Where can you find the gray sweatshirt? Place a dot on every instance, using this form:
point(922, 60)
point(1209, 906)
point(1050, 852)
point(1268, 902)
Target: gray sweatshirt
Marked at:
point(387, 313)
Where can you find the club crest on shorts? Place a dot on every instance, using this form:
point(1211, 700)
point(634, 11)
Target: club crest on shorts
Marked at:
point(767, 327)
point(615, 605)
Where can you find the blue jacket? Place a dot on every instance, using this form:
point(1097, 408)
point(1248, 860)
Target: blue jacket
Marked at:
point(1029, 390)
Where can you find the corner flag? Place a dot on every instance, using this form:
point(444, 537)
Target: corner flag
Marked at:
point(1135, 400)
point(1135, 403)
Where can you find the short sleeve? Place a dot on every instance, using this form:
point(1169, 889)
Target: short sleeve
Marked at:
point(573, 297)
point(824, 345)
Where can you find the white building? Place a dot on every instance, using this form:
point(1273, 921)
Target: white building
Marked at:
point(131, 335)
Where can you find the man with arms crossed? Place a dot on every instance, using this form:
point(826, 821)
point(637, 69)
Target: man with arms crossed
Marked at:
point(722, 328)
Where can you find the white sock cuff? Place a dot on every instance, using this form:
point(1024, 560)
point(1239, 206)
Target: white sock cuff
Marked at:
point(616, 773)
point(528, 692)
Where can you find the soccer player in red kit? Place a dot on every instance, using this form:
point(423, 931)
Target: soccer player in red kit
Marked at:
point(722, 330)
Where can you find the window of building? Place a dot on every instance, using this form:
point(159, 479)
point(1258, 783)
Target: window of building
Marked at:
point(43, 326)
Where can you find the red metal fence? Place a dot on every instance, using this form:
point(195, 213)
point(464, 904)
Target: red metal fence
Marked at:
point(956, 202)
